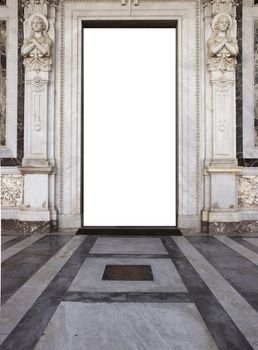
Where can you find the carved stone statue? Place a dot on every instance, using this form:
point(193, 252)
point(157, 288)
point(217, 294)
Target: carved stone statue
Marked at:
point(37, 48)
point(222, 46)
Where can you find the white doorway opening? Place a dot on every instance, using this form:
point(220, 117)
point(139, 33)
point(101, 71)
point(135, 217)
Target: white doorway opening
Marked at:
point(129, 127)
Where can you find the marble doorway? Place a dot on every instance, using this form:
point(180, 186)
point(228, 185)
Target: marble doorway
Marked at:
point(69, 62)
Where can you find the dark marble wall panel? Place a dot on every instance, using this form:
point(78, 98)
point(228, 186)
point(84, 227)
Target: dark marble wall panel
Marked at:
point(20, 100)
point(2, 2)
point(2, 82)
point(239, 94)
point(256, 79)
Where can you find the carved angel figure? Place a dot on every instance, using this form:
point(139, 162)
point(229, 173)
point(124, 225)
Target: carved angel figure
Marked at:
point(222, 46)
point(37, 48)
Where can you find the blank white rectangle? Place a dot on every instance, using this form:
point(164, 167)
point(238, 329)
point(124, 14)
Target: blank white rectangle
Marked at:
point(129, 127)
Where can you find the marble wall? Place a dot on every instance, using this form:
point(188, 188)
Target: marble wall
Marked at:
point(11, 190)
point(2, 82)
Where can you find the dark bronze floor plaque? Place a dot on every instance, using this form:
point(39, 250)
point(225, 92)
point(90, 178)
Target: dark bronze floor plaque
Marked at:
point(128, 273)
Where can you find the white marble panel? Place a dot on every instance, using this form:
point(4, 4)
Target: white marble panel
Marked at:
point(128, 245)
point(33, 197)
point(166, 277)
point(126, 326)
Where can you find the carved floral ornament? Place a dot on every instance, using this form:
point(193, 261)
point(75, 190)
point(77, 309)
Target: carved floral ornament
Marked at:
point(38, 6)
point(221, 6)
point(37, 48)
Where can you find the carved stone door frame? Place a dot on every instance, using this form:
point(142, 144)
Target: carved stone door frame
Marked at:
point(68, 104)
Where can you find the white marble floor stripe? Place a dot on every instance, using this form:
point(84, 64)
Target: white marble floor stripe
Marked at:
point(5, 239)
point(16, 248)
point(240, 249)
point(16, 307)
point(240, 311)
point(253, 241)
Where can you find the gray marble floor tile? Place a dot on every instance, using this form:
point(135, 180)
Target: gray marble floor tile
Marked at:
point(130, 326)
point(240, 311)
point(166, 277)
point(20, 246)
point(20, 267)
point(5, 239)
point(16, 307)
point(247, 253)
point(128, 245)
point(253, 241)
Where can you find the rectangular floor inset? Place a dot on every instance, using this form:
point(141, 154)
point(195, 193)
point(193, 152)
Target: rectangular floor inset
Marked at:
point(165, 277)
point(127, 273)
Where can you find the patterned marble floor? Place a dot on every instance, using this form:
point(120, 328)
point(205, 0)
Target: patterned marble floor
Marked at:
point(202, 294)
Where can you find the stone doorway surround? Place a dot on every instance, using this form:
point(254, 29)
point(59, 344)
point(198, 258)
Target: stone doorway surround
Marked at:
point(206, 118)
point(69, 66)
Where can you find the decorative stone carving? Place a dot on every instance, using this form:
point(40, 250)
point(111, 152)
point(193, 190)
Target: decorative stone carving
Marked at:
point(222, 46)
point(221, 185)
point(38, 6)
point(37, 48)
point(222, 6)
point(39, 34)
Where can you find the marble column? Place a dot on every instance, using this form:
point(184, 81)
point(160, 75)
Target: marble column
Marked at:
point(38, 161)
point(221, 169)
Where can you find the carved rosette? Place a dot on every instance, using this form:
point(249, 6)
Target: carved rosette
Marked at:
point(222, 46)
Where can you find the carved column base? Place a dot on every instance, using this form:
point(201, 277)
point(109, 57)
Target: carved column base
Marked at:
point(223, 195)
point(36, 206)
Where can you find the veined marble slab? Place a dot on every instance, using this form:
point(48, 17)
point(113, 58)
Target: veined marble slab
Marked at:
point(20, 246)
point(166, 277)
point(16, 307)
point(5, 239)
point(240, 311)
point(130, 326)
point(246, 253)
point(253, 241)
point(128, 245)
